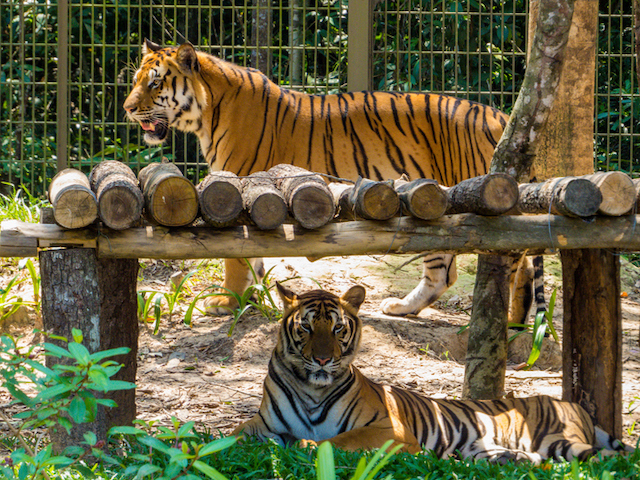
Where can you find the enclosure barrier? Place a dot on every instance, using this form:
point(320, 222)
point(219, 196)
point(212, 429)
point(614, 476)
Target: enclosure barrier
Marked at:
point(89, 274)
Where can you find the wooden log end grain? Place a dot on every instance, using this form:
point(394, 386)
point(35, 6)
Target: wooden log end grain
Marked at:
point(264, 203)
point(74, 204)
point(499, 194)
point(618, 192)
point(220, 198)
point(170, 198)
point(375, 200)
point(422, 198)
point(120, 201)
point(312, 206)
point(579, 198)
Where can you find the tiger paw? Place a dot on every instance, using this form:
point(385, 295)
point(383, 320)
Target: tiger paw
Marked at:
point(219, 305)
point(304, 443)
point(397, 306)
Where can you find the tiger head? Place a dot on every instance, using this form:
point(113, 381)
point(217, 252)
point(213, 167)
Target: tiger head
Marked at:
point(167, 91)
point(320, 333)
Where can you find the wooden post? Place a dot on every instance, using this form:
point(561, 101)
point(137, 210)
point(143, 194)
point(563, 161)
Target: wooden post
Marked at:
point(97, 296)
point(592, 335)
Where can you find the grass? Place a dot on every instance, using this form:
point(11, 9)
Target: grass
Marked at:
point(251, 460)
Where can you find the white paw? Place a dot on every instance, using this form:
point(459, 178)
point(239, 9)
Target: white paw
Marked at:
point(397, 306)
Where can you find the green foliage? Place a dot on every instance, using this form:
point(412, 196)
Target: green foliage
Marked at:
point(58, 396)
point(257, 296)
point(19, 204)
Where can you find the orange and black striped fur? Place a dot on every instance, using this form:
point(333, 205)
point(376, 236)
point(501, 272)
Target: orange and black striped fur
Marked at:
point(246, 123)
point(313, 392)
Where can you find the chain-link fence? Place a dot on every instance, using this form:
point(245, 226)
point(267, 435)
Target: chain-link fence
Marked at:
point(67, 66)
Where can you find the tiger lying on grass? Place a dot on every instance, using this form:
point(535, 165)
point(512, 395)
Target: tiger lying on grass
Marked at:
point(312, 392)
point(246, 123)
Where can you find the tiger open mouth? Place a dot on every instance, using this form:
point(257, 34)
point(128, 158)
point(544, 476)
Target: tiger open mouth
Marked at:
point(156, 131)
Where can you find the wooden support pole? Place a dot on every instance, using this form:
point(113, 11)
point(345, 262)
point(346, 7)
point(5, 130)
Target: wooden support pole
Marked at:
point(592, 335)
point(97, 296)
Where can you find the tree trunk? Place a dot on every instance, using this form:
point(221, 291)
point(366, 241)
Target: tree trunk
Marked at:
point(592, 339)
point(97, 296)
point(514, 155)
point(486, 361)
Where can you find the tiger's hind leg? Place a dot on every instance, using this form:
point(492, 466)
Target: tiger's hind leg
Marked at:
point(438, 274)
point(238, 276)
point(526, 284)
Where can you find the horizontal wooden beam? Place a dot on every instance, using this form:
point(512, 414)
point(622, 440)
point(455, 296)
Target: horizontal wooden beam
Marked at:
point(464, 233)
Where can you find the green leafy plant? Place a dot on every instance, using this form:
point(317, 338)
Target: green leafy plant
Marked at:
point(540, 324)
point(10, 302)
point(169, 453)
point(325, 464)
point(58, 396)
point(256, 296)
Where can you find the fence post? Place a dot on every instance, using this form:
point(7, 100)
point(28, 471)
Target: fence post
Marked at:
point(360, 48)
point(62, 104)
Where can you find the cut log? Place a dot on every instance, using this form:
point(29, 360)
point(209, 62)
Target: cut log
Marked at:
point(492, 194)
point(341, 193)
point(170, 199)
point(422, 198)
point(220, 198)
point(368, 199)
point(120, 200)
point(618, 192)
point(570, 196)
point(307, 194)
point(264, 203)
point(97, 296)
point(74, 204)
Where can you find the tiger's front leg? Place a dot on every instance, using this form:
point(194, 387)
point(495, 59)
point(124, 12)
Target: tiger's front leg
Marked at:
point(238, 276)
point(438, 274)
point(369, 438)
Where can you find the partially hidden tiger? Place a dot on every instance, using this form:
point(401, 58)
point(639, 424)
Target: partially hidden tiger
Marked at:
point(247, 123)
point(313, 393)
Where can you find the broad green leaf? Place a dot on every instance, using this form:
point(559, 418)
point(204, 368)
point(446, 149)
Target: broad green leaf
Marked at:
point(217, 445)
point(90, 438)
point(76, 333)
point(126, 430)
point(209, 471)
point(80, 353)
point(97, 356)
point(77, 410)
point(55, 391)
point(56, 351)
point(325, 464)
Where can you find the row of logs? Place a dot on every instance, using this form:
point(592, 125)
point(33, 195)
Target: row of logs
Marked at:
point(118, 198)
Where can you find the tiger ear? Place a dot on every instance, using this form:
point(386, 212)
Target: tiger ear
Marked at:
point(188, 58)
point(354, 296)
point(287, 296)
point(148, 46)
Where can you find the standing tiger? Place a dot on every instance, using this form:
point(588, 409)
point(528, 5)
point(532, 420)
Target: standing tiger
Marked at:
point(246, 123)
point(313, 392)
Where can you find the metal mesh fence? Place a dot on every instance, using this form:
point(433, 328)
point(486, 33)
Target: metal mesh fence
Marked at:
point(67, 66)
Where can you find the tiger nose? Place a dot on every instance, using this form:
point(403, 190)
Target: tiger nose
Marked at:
point(322, 360)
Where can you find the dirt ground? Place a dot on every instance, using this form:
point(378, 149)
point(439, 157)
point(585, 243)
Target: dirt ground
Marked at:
point(203, 374)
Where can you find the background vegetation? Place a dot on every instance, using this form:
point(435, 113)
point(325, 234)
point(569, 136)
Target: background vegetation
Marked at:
point(467, 48)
